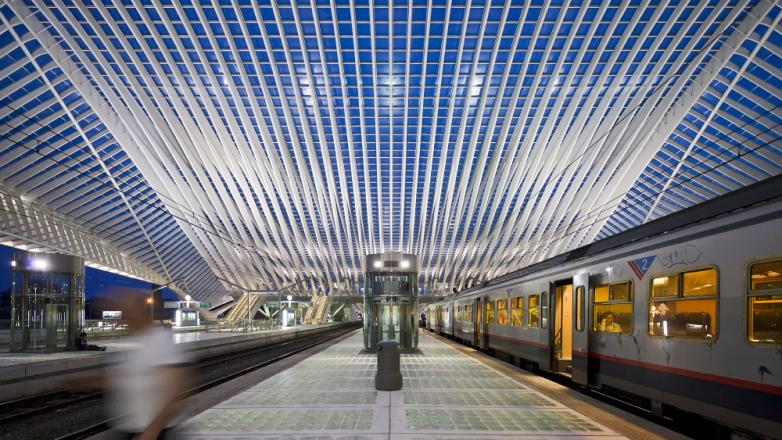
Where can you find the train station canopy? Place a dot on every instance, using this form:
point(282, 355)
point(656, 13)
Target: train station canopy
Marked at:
point(269, 143)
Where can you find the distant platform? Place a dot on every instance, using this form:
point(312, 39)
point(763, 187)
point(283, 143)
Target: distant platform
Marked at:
point(26, 374)
point(447, 395)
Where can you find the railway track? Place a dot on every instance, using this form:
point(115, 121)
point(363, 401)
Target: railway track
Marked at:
point(70, 415)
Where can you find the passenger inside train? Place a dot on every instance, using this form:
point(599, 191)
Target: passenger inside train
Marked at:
point(607, 324)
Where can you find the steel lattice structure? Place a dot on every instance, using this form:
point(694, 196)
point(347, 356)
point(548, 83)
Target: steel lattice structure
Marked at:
point(269, 142)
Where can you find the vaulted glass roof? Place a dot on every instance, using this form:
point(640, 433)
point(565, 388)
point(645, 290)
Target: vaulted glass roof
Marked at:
point(266, 143)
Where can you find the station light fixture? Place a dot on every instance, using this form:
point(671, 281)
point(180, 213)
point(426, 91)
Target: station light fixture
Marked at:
point(40, 265)
point(13, 263)
point(378, 264)
point(188, 298)
point(405, 264)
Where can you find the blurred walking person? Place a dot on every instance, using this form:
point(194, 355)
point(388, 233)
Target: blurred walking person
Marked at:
point(145, 384)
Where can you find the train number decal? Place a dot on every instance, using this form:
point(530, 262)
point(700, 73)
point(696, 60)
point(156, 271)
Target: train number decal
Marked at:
point(641, 265)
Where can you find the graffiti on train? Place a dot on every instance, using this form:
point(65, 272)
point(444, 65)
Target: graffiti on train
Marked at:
point(680, 256)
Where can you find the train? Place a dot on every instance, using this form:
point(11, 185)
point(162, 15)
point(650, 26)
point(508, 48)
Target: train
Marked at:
point(683, 313)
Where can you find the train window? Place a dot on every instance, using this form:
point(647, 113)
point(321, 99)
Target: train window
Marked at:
point(700, 283)
point(543, 309)
point(621, 292)
point(601, 293)
point(502, 312)
point(613, 311)
point(580, 308)
point(517, 311)
point(665, 286)
point(533, 311)
point(766, 276)
point(765, 303)
point(489, 312)
point(689, 309)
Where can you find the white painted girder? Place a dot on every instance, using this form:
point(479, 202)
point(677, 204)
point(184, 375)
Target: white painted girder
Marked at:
point(212, 146)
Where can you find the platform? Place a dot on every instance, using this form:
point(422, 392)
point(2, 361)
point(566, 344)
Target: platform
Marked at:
point(447, 394)
point(25, 374)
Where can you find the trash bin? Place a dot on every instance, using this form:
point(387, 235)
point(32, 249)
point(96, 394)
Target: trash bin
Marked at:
point(388, 376)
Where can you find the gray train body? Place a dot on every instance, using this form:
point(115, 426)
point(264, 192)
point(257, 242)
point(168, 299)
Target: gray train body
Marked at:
point(720, 374)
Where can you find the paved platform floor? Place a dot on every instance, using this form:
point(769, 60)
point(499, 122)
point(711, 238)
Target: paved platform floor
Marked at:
point(446, 395)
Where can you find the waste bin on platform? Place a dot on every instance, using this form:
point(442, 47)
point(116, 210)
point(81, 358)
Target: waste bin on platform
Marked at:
point(388, 376)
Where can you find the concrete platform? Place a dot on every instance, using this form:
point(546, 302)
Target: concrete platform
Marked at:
point(27, 374)
point(447, 394)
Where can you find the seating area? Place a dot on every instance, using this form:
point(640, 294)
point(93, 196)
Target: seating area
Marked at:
point(687, 324)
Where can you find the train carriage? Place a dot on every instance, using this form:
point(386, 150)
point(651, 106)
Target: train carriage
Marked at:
point(685, 311)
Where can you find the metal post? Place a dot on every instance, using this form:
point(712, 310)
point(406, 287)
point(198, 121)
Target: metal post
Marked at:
point(13, 302)
point(249, 315)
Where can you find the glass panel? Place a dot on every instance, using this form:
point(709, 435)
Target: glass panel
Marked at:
point(490, 312)
point(699, 283)
point(601, 293)
point(580, 308)
point(614, 318)
point(766, 276)
point(533, 314)
point(665, 286)
point(621, 292)
point(517, 311)
point(692, 318)
point(502, 312)
point(543, 309)
point(765, 319)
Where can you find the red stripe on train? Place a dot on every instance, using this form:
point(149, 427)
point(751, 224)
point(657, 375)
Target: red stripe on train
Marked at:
point(689, 373)
point(679, 371)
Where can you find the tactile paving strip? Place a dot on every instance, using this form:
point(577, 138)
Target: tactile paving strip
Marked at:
point(446, 395)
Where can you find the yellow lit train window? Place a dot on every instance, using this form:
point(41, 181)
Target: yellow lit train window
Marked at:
point(766, 276)
point(502, 312)
point(665, 286)
point(765, 303)
point(700, 283)
point(489, 312)
point(601, 293)
point(580, 308)
point(621, 292)
point(533, 311)
point(613, 311)
point(684, 305)
point(517, 311)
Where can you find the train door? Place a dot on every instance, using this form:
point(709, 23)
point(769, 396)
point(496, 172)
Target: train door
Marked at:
point(484, 343)
point(477, 322)
point(580, 348)
point(438, 325)
point(562, 327)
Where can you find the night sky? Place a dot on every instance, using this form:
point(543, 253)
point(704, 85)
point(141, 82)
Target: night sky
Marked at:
point(98, 282)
